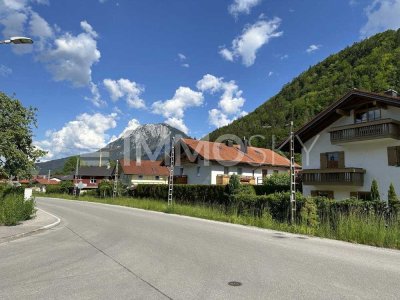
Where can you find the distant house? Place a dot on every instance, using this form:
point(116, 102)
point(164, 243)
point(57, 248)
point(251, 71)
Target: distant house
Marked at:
point(39, 183)
point(92, 176)
point(203, 162)
point(144, 171)
point(350, 143)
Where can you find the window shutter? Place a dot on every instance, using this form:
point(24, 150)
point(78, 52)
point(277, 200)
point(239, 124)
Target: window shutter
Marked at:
point(341, 160)
point(323, 161)
point(392, 156)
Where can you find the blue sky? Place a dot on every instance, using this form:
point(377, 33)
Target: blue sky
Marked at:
point(98, 67)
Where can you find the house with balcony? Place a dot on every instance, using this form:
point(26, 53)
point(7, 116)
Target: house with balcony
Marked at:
point(203, 162)
point(352, 142)
point(142, 172)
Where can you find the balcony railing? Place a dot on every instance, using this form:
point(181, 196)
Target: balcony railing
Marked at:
point(180, 179)
point(346, 176)
point(386, 128)
point(224, 179)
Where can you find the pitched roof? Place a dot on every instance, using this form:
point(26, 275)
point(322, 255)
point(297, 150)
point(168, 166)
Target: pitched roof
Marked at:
point(45, 181)
point(329, 115)
point(145, 167)
point(214, 151)
point(95, 171)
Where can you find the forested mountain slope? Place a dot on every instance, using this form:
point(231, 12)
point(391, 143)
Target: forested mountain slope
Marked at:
point(372, 64)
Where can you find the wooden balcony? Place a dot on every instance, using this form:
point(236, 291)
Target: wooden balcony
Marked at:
point(386, 128)
point(180, 179)
point(224, 180)
point(346, 176)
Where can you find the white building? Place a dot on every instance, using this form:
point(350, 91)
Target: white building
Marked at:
point(202, 162)
point(352, 142)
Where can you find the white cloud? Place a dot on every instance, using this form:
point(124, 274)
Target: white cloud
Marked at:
point(270, 73)
point(283, 57)
point(242, 6)
point(130, 90)
point(5, 71)
point(96, 97)
point(72, 57)
point(230, 103)
point(251, 40)
point(382, 15)
point(185, 65)
point(38, 27)
point(174, 109)
point(84, 134)
point(178, 124)
point(181, 56)
point(132, 125)
point(313, 48)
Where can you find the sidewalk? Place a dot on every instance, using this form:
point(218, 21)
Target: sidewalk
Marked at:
point(42, 221)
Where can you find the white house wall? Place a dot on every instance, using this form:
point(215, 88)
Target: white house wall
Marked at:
point(370, 155)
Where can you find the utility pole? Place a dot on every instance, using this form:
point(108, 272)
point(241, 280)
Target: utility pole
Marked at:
point(100, 159)
point(171, 173)
point(292, 177)
point(115, 190)
point(48, 178)
point(76, 177)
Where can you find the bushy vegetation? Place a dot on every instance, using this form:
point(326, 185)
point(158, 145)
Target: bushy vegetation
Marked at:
point(371, 65)
point(13, 207)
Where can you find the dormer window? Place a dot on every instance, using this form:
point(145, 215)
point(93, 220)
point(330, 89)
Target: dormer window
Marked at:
point(367, 115)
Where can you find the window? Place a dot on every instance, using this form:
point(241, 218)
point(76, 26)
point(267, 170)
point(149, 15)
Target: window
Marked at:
point(361, 195)
point(140, 176)
point(276, 171)
point(394, 156)
point(181, 171)
point(326, 194)
point(367, 115)
point(332, 160)
point(93, 180)
point(240, 171)
point(226, 170)
point(198, 171)
point(157, 177)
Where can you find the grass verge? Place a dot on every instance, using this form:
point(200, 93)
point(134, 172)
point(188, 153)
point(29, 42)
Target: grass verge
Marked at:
point(355, 228)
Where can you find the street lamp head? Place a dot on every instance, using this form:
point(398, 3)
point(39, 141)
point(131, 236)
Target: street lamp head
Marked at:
point(20, 40)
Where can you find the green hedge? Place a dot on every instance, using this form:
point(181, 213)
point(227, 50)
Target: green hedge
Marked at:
point(185, 193)
point(278, 205)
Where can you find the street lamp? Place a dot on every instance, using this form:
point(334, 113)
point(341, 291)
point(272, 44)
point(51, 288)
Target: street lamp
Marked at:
point(17, 40)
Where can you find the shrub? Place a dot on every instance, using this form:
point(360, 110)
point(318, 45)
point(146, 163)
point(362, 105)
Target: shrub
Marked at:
point(276, 183)
point(309, 213)
point(105, 189)
point(375, 191)
point(65, 187)
point(54, 189)
point(13, 209)
point(393, 200)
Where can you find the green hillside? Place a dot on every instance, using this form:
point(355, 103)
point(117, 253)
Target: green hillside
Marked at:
point(372, 65)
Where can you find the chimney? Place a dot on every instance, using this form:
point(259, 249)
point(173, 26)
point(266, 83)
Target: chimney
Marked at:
point(391, 93)
point(244, 145)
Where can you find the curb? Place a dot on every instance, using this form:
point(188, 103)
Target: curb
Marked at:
point(25, 234)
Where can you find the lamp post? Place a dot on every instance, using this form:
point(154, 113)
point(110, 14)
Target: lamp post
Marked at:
point(17, 40)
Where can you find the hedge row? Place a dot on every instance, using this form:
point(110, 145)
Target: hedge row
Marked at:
point(185, 193)
point(13, 207)
point(278, 205)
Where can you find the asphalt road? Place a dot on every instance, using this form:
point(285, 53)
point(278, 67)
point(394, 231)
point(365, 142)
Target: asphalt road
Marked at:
point(110, 252)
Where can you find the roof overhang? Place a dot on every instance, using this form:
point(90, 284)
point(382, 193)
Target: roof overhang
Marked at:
point(352, 100)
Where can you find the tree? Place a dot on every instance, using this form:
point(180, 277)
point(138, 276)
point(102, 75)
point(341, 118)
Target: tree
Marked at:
point(70, 165)
point(233, 185)
point(375, 191)
point(393, 200)
point(17, 152)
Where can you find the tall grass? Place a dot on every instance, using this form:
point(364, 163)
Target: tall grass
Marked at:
point(13, 209)
point(355, 227)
